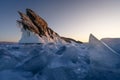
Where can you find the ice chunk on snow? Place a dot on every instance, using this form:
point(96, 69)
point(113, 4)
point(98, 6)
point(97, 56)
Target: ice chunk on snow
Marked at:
point(102, 56)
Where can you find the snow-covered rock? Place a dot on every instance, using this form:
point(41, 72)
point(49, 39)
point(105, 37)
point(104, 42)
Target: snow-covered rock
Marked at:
point(35, 30)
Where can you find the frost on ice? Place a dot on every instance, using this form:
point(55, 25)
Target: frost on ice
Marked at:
point(72, 61)
point(44, 62)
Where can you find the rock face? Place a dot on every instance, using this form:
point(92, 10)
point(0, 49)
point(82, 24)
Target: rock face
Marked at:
point(35, 30)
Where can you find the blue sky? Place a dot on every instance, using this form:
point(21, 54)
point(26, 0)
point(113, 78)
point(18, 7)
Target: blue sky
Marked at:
point(70, 18)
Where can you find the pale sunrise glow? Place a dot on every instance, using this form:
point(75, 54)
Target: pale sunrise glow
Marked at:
point(70, 18)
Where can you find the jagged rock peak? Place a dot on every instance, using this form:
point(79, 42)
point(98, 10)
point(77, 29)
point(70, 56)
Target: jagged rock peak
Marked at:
point(35, 23)
point(27, 23)
point(35, 29)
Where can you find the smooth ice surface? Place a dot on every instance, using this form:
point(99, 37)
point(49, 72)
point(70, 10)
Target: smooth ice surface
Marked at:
point(114, 43)
point(105, 62)
point(102, 55)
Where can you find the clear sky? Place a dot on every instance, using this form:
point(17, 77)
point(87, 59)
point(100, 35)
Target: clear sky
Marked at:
point(69, 18)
